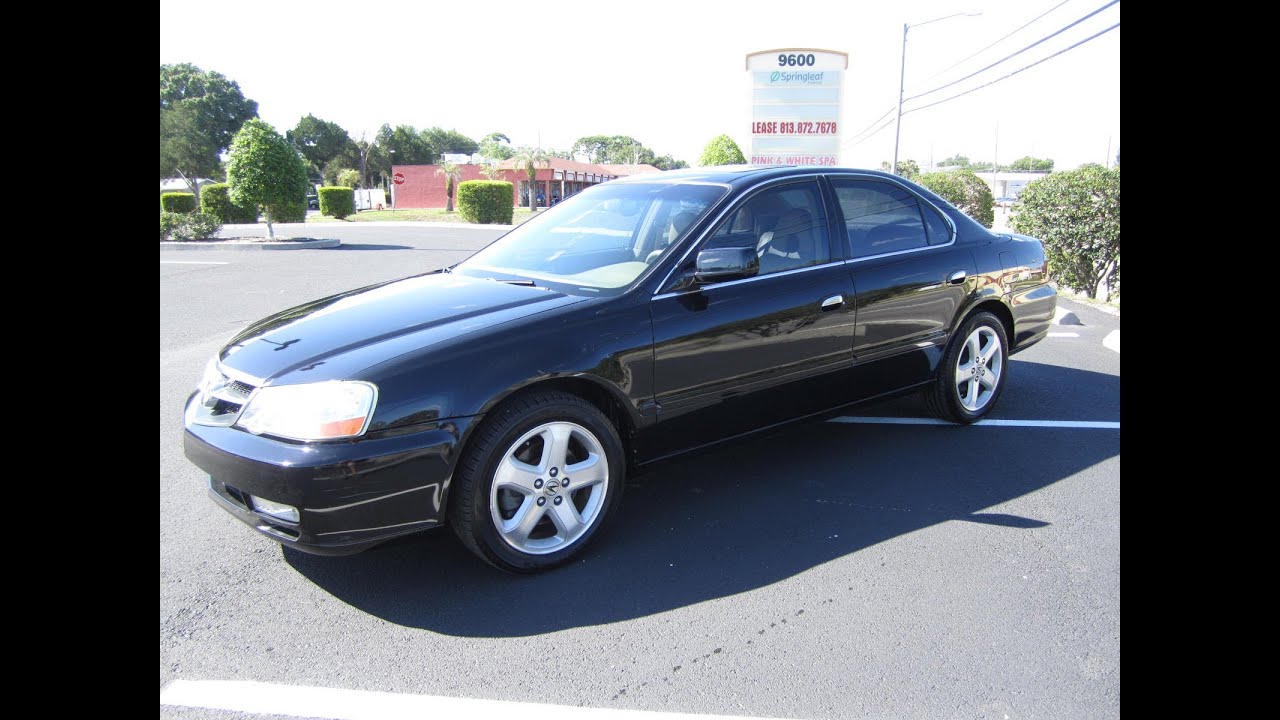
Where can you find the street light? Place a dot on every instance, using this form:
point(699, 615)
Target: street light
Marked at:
point(902, 76)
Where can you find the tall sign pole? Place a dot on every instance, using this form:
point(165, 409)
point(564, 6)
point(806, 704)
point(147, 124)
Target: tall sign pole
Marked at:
point(797, 106)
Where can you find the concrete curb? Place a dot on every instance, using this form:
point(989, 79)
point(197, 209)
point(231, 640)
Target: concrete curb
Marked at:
point(292, 245)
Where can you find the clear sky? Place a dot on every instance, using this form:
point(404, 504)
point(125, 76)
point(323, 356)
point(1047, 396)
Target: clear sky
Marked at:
point(669, 73)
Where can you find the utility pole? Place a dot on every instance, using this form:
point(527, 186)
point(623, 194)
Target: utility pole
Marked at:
point(1108, 163)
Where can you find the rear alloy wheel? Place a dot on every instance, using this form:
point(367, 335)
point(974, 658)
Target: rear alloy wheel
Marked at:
point(544, 473)
point(971, 375)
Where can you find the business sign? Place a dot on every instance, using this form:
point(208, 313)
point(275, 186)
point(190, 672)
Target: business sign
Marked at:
point(797, 103)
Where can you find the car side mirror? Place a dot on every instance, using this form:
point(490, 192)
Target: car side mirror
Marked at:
point(728, 263)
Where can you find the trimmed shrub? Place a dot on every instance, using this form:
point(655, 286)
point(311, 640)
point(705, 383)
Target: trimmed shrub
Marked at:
point(168, 222)
point(485, 201)
point(188, 226)
point(1077, 215)
point(966, 191)
point(216, 200)
point(337, 202)
point(178, 202)
point(290, 212)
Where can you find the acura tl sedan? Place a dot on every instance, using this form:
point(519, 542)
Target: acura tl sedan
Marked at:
point(510, 395)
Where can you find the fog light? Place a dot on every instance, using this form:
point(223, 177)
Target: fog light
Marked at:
point(287, 513)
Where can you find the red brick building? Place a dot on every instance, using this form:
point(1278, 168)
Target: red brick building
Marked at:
point(423, 188)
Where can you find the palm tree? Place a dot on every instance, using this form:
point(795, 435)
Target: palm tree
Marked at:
point(451, 175)
point(530, 159)
point(492, 171)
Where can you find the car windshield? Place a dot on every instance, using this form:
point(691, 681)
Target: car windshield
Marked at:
point(598, 241)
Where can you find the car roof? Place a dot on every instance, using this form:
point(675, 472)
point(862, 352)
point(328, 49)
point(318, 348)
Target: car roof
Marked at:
point(741, 174)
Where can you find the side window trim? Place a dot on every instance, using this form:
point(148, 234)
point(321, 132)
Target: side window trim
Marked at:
point(848, 251)
point(815, 179)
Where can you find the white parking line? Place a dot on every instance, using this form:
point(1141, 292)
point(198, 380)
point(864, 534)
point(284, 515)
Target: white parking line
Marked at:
point(319, 702)
point(1089, 424)
point(191, 262)
point(1112, 341)
point(1064, 334)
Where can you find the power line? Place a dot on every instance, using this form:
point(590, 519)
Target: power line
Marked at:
point(1006, 37)
point(873, 122)
point(1015, 72)
point(877, 130)
point(1047, 37)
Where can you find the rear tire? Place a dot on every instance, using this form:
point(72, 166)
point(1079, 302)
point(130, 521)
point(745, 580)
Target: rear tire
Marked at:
point(542, 475)
point(973, 371)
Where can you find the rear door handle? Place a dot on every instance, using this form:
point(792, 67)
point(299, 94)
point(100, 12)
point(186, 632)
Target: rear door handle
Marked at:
point(957, 277)
point(833, 302)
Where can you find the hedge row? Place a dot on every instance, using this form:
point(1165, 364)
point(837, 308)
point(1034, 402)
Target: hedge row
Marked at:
point(486, 201)
point(215, 200)
point(337, 202)
point(182, 226)
point(177, 202)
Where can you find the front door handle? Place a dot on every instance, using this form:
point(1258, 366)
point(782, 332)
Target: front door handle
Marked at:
point(957, 277)
point(834, 301)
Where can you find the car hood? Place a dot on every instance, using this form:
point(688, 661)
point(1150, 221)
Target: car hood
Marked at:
point(335, 336)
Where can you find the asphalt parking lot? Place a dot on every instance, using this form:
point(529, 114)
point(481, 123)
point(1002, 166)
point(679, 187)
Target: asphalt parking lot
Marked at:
point(853, 568)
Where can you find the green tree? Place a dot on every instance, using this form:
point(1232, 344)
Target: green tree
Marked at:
point(666, 162)
point(955, 160)
point(965, 190)
point(401, 145)
point(265, 170)
point(320, 142)
point(184, 149)
point(721, 151)
point(1027, 163)
point(909, 169)
point(449, 141)
point(492, 147)
point(200, 113)
point(349, 178)
point(451, 173)
point(1077, 215)
point(531, 159)
point(491, 171)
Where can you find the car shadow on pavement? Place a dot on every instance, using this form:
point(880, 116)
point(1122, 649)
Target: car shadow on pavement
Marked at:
point(733, 519)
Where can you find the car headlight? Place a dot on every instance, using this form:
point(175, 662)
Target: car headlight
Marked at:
point(315, 411)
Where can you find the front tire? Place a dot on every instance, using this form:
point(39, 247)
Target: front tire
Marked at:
point(544, 473)
point(973, 371)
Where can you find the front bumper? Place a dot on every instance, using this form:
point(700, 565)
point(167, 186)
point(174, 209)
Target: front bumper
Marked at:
point(349, 495)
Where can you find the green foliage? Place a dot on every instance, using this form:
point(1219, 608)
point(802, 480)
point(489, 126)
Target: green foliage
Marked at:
point(957, 161)
point(168, 222)
point(1077, 215)
point(200, 113)
point(449, 141)
point(721, 151)
point(337, 202)
point(965, 190)
point(216, 200)
point(348, 178)
point(320, 142)
point(492, 171)
point(177, 202)
point(1031, 164)
point(485, 201)
point(909, 169)
point(452, 173)
point(266, 170)
point(182, 227)
point(288, 212)
point(496, 146)
point(531, 159)
point(666, 162)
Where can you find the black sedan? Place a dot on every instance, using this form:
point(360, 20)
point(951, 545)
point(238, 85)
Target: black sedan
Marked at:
point(510, 395)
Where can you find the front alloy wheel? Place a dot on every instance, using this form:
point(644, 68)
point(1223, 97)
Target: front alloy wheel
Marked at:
point(549, 488)
point(542, 475)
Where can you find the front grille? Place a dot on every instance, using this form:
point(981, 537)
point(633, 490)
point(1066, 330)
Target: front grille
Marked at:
point(222, 402)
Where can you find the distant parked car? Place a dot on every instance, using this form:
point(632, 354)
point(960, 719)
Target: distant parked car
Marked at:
point(510, 395)
point(313, 202)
